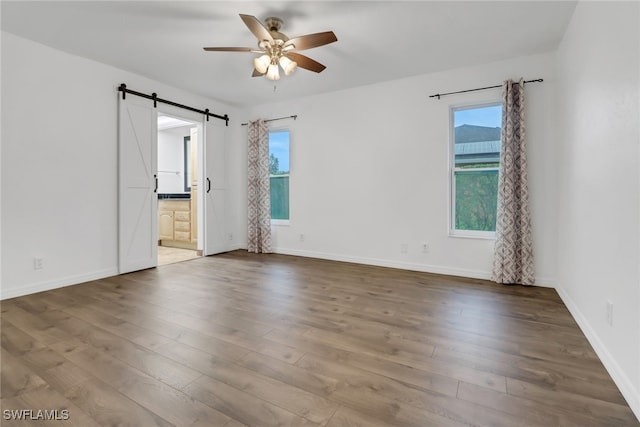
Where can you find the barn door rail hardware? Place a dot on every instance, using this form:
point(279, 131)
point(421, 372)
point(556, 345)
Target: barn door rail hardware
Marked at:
point(154, 97)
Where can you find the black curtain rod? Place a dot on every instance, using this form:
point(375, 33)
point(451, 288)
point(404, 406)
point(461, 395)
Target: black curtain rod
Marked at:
point(295, 116)
point(438, 95)
point(154, 96)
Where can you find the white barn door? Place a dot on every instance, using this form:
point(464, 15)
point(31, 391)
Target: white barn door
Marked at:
point(215, 188)
point(137, 197)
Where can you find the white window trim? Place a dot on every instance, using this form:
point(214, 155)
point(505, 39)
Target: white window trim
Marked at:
point(453, 232)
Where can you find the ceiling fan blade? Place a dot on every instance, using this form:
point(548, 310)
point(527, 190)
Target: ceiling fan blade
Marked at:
point(257, 28)
point(312, 40)
point(232, 49)
point(306, 62)
point(257, 73)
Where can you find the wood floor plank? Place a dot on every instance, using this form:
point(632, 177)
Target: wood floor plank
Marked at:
point(361, 382)
point(155, 331)
point(291, 398)
point(154, 395)
point(146, 361)
point(370, 402)
point(108, 407)
point(34, 325)
point(47, 399)
point(16, 341)
point(16, 378)
point(347, 417)
point(178, 305)
point(287, 396)
point(235, 423)
point(242, 339)
point(525, 408)
point(399, 371)
point(544, 373)
point(606, 412)
point(173, 405)
point(426, 365)
point(186, 327)
point(311, 381)
point(242, 406)
point(65, 376)
point(196, 359)
point(423, 360)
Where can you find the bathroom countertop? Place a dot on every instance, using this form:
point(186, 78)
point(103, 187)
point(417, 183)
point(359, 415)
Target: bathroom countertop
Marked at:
point(174, 196)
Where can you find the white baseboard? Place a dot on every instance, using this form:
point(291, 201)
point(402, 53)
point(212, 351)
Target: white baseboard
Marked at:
point(425, 268)
point(6, 293)
point(545, 282)
point(47, 285)
point(624, 383)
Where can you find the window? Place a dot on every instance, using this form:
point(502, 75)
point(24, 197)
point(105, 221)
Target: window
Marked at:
point(475, 160)
point(279, 172)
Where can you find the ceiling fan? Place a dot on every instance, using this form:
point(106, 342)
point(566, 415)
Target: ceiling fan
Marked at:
point(278, 49)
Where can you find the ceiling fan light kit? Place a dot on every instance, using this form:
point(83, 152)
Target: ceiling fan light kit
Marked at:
point(272, 72)
point(288, 66)
point(262, 63)
point(277, 50)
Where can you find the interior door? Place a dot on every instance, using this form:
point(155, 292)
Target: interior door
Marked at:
point(215, 188)
point(137, 197)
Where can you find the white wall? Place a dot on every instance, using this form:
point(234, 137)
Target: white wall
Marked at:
point(369, 171)
point(59, 163)
point(598, 137)
point(171, 159)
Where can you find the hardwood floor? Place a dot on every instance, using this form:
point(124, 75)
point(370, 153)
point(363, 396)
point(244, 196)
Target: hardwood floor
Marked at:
point(272, 340)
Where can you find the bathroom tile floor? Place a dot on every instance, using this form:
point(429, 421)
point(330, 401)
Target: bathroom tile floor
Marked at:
point(167, 255)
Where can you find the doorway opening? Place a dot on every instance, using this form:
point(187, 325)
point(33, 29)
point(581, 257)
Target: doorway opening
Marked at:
point(177, 189)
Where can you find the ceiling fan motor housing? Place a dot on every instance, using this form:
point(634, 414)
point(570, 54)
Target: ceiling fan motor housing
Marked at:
point(274, 24)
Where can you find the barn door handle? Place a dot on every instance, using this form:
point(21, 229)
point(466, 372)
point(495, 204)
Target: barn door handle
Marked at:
point(208, 185)
point(155, 176)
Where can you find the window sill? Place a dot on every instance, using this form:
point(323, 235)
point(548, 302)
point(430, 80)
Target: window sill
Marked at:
point(469, 234)
point(280, 222)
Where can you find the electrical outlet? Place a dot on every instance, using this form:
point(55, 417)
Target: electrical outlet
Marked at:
point(404, 248)
point(301, 237)
point(38, 264)
point(230, 236)
point(425, 247)
point(609, 313)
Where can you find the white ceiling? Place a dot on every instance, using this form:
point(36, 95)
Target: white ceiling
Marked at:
point(168, 122)
point(377, 40)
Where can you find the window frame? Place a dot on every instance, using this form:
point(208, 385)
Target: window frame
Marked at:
point(276, 129)
point(453, 231)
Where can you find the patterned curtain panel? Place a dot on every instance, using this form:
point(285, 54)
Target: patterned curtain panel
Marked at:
point(258, 196)
point(513, 261)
